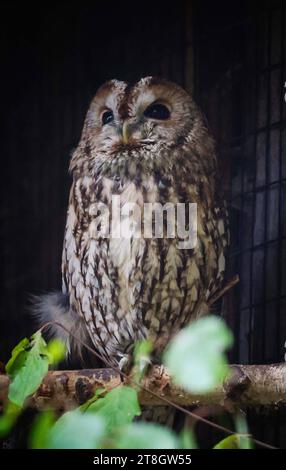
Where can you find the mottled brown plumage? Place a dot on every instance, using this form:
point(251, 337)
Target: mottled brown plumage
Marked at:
point(121, 290)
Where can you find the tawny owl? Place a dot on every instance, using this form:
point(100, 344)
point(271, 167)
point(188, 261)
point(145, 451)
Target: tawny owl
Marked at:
point(144, 143)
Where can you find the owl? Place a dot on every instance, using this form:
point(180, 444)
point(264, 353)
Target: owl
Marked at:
point(147, 145)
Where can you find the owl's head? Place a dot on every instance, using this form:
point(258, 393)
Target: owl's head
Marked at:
point(150, 115)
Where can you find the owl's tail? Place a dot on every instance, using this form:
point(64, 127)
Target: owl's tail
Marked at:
point(55, 307)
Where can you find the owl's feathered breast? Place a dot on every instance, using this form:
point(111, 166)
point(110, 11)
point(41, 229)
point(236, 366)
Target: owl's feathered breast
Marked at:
point(129, 288)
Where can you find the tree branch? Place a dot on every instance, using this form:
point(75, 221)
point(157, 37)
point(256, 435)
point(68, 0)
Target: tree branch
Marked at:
point(226, 287)
point(249, 386)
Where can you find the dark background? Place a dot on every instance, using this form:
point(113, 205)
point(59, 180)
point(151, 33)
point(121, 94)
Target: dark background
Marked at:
point(232, 56)
point(54, 57)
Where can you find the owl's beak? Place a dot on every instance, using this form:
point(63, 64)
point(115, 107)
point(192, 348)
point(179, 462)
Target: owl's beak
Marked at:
point(125, 132)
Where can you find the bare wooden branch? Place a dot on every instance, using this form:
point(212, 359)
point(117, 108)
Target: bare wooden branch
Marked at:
point(227, 286)
point(249, 386)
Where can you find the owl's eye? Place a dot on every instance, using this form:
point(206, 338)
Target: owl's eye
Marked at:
point(157, 111)
point(107, 117)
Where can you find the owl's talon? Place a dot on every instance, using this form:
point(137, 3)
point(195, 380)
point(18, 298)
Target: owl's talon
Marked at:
point(124, 363)
point(161, 370)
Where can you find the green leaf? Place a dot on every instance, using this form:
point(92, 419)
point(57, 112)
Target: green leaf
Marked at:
point(142, 352)
point(18, 353)
point(85, 406)
point(241, 440)
point(8, 418)
point(147, 436)
point(245, 441)
point(76, 430)
point(118, 407)
point(39, 435)
point(188, 439)
point(56, 350)
point(143, 348)
point(230, 442)
point(27, 368)
point(195, 357)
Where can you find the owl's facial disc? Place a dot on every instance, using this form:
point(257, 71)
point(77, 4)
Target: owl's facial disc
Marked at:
point(137, 129)
point(152, 113)
point(133, 130)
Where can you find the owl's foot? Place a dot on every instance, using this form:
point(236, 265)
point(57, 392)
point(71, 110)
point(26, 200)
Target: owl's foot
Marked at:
point(125, 363)
point(136, 371)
